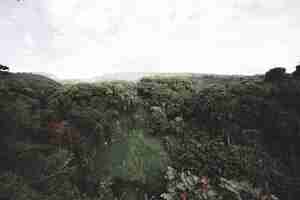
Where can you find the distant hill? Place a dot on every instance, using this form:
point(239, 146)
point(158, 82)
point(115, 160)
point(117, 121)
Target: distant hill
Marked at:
point(120, 76)
point(136, 76)
point(49, 75)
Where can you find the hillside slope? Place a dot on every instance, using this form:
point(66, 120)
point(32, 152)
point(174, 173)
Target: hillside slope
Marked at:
point(194, 137)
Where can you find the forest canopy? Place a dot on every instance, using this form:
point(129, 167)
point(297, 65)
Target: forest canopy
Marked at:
point(195, 137)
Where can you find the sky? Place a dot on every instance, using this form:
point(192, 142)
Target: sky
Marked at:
point(88, 38)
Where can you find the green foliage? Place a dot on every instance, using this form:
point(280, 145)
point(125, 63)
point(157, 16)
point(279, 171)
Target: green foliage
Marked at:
point(230, 129)
point(168, 93)
point(164, 101)
point(186, 185)
point(136, 160)
point(210, 156)
point(14, 187)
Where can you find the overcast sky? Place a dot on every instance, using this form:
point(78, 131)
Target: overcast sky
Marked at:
point(86, 38)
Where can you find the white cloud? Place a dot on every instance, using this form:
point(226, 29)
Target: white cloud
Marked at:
point(78, 38)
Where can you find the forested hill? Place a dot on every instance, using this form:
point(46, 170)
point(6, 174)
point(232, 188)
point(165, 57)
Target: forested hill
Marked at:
point(173, 138)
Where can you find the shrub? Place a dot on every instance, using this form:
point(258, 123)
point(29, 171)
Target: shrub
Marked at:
point(275, 74)
point(296, 73)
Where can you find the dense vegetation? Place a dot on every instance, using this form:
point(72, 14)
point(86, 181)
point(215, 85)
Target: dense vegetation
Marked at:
point(191, 137)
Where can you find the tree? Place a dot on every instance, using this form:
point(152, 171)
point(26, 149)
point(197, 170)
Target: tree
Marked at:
point(296, 73)
point(275, 74)
point(4, 68)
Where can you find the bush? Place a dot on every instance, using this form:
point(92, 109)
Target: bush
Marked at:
point(296, 73)
point(275, 74)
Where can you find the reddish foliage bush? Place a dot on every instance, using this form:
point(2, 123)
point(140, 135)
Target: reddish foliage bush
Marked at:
point(62, 134)
point(183, 196)
point(204, 182)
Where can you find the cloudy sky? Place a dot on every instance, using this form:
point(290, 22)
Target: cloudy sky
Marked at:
point(86, 38)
